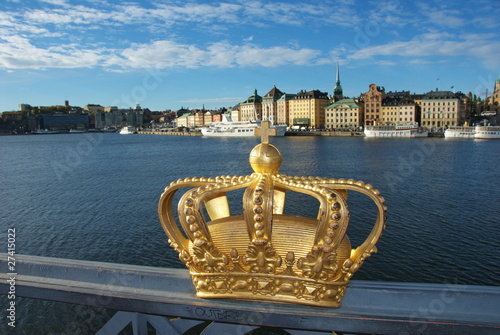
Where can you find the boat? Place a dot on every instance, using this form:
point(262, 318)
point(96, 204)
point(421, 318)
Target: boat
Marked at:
point(487, 132)
point(460, 132)
point(74, 131)
point(127, 130)
point(45, 131)
point(396, 130)
point(229, 128)
point(110, 129)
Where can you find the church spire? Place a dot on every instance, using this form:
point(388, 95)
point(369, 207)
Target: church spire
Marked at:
point(337, 90)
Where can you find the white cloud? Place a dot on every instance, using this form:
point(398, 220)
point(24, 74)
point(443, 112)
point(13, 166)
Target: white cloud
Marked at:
point(18, 52)
point(442, 16)
point(55, 2)
point(161, 54)
point(437, 45)
point(39, 38)
point(255, 13)
point(385, 63)
point(390, 13)
point(166, 54)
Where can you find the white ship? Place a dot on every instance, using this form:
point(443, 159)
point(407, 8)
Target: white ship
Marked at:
point(460, 132)
point(128, 130)
point(398, 130)
point(487, 132)
point(480, 132)
point(229, 128)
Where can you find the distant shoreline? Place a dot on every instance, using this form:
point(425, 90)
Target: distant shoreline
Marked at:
point(198, 133)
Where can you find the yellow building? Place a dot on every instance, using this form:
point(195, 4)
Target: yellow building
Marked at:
point(441, 109)
point(270, 105)
point(495, 98)
point(93, 108)
point(398, 107)
point(344, 114)
point(234, 113)
point(207, 118)
point(283, 106)
point(251, 109)
point(307, 109)
point(182, 121)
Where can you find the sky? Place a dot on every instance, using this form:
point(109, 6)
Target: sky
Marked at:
point(170, 54)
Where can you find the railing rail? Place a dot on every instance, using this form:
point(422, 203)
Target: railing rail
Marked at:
point(369, 307)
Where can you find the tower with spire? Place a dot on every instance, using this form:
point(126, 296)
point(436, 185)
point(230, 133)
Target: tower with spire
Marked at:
point(495, 97)
point(337, 90)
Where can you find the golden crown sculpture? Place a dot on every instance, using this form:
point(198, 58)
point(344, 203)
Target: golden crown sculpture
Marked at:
point(265, 254)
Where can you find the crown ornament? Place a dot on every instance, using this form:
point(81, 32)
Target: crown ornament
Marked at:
point(264, 253)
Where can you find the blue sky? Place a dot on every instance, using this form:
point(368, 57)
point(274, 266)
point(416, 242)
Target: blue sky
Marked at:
point(167, 54)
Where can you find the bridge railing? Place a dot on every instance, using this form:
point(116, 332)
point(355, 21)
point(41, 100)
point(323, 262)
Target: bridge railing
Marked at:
point(145, 295)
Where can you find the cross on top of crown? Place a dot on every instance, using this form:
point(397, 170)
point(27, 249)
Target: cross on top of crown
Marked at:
point(264, 132)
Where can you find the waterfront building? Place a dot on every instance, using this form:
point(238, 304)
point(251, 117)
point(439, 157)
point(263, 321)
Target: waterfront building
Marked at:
point(495, 98)
point(59, 121)
point(234, 113)
point(24, 108)
point(373, 104)
point(251, 109)
point(442, 109)
point(198, 118)
point(337, 90)
point(118, 118)
point(344, 114)
point(91, 108)
point(307, 109)
point(208, 118)
point(12, 116)
point(270, 105)
point(217, 117)
point(182, 121)
point(190, 120)
point(399, 107)
point(283, 106)
point(110, 109)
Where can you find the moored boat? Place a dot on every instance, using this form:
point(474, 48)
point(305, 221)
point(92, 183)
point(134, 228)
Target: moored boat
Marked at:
point(229, 128)
point(460, 132)
point(487, 132)
point(127, 130)
point(45, 131)
point(108, 129)
point(396, 130)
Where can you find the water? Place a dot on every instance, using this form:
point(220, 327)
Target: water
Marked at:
point(94, 197)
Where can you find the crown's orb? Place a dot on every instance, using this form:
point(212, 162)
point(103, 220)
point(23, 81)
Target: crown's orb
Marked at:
point(265, 158)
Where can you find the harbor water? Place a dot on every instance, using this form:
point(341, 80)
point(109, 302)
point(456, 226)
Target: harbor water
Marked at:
point(93, 196)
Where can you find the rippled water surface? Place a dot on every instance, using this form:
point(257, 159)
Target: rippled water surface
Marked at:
point(94, 196)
